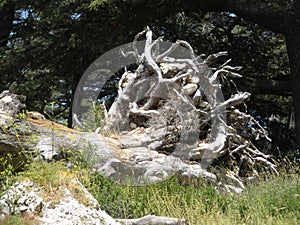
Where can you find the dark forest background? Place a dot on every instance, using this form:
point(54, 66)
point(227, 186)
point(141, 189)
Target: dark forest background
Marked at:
point(46, 46)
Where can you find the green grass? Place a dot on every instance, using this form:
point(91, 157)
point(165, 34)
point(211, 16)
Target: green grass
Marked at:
point(272, 201)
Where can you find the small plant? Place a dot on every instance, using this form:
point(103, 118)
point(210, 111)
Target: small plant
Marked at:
point(93, 118)
point(10, 165)
point(21, 115)
point(7, 172)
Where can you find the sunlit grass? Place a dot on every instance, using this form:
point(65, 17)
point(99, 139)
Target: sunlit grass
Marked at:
point(269, 200)
point(272, 201)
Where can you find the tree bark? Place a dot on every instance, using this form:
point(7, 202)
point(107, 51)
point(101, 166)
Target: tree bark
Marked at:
point(152, 220)
point(293, 47)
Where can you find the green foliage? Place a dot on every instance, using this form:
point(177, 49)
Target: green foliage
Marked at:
point(51, 43)
point(93, 118)
point(271, 201)
point(7, 172)
point(12, 162)
point(276, 197)
point(44, 174)
point(97, 4)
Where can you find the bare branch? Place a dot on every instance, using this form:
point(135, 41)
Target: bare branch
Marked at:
point(181, 96)
point(135, 49)
point(148, 56)
point(134, 109)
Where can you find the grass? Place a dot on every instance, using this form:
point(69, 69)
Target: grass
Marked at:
point(270, 200)
point(51, 176)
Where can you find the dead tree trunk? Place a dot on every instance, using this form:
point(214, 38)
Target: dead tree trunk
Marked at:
point(183, 95)
point(293, 46)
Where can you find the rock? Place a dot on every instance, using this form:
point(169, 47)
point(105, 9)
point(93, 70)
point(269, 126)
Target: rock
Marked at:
point(5, 119)
point(169, 69)
point(193, 174)
point(69, 212)
point(232, 189)
point(35, 115)
point(23, 208)
point(20, 199)
point(203, 104)
point(194, 80)
point(190, 88)
point(141, 166)
point(11, 104)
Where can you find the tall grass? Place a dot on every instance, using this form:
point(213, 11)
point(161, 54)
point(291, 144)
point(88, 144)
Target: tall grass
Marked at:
point(272, 201)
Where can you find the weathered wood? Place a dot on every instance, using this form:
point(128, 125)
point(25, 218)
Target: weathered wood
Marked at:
point(192, 88)
point(169, 118)
point(153, 220)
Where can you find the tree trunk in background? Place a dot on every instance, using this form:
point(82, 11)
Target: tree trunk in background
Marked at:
point(7, 11)
point(293, 46)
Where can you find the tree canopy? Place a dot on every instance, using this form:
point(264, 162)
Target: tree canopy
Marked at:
point(45, 46)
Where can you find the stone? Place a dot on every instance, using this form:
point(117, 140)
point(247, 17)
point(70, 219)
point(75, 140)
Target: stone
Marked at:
point(23, 208)
point(19, 199)
point(190, 88)
point(11, 104)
